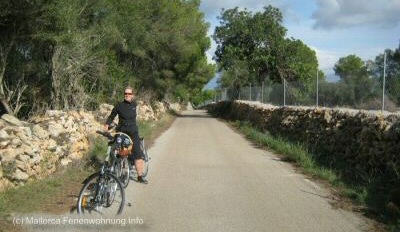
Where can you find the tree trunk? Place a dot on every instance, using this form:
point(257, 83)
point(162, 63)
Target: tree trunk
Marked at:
point(3, 63)
point(55, 83)
point(5, 108)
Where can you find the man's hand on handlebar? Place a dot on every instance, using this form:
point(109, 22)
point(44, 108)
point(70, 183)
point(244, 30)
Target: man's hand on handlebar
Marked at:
point(109, 127)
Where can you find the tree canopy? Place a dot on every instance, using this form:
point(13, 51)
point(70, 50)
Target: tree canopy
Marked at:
point(77, 53)
point(392, 70)
point(350, 67)
point(257, 42)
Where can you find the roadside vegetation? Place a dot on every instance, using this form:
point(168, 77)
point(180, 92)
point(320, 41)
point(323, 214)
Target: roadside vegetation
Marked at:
point(79, 54)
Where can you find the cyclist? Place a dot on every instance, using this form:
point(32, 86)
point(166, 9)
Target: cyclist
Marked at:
point(126, 111)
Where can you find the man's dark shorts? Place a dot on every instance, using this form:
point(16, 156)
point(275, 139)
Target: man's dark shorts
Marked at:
point(137, 152)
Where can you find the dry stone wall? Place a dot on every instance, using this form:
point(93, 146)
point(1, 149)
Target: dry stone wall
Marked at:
point(363, 146)
point(30, 150)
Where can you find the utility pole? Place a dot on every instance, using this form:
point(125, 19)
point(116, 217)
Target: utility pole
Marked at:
point(262, 92)
point(384, 82)
point(317, 88)
point(250, 92)
point(284, 92)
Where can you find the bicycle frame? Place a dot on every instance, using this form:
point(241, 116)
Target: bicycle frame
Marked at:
point(99, 199)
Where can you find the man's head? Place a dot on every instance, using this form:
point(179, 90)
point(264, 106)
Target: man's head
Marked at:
point(129, 94)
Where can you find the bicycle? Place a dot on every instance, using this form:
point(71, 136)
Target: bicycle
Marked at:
point(119, 147)
point(101, 191)
point(101, 188)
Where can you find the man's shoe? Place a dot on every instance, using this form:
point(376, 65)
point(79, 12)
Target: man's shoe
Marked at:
point(142, 180)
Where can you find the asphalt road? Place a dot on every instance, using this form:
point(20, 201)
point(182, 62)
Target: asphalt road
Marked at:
point(206, 177)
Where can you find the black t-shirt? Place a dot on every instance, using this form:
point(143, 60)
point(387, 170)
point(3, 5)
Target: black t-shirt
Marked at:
point(126, 112)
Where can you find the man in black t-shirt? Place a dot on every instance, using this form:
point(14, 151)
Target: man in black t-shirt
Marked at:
point(126, 111)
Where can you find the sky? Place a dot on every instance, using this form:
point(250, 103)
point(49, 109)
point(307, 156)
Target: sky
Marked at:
point(333, 28)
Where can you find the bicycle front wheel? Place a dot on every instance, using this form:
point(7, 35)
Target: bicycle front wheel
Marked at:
point(102, 194)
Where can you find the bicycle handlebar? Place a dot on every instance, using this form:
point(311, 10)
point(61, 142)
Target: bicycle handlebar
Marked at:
point(105, 134)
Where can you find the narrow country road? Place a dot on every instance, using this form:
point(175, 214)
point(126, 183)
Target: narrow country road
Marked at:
point(205, 177)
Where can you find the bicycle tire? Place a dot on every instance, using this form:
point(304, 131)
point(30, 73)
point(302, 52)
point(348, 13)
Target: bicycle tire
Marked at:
point(146, 163)
point(122, 171)
point(102, 184)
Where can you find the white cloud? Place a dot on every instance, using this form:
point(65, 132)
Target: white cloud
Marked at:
point(344, 13)
point(326, 59)
point(210, 52)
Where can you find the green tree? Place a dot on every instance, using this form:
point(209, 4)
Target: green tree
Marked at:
point(236, 77)
point(358, 87)
point(17, 34)
point(165, 45)
point(392, 72)
point(258, 39)
point(201, 97)
point(299, 62)
point(79, 53)
point(350, 67)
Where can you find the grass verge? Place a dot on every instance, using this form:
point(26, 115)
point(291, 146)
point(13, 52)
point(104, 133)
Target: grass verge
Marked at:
point(57, 193)
point(293, 152)
point(348, 196)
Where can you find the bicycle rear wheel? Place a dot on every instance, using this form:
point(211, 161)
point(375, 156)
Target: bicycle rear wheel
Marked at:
point(146, 160)
point(102, 194)
point(122, 171)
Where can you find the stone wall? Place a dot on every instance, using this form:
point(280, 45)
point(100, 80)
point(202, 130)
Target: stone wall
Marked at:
point(363, 146)
point(33, 149)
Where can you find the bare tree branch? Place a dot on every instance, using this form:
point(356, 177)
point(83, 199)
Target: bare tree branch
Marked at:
point(14, 95)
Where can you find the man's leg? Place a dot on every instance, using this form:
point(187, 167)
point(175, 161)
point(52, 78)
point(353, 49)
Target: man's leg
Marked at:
point(138, 154)
point(139, 166)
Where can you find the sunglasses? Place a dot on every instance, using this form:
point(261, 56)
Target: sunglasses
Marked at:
point(127, 93)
